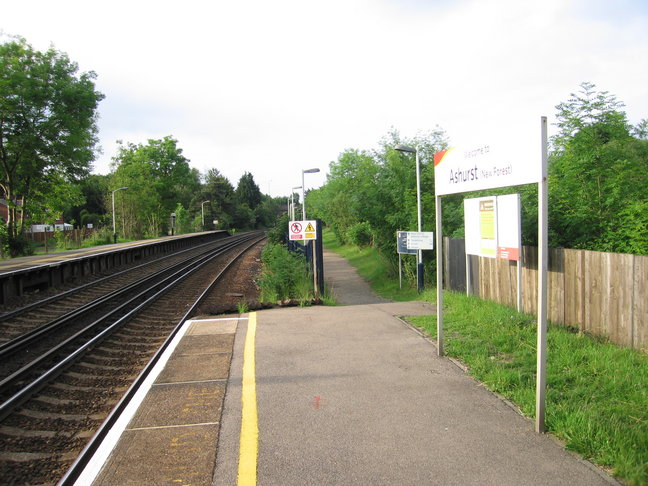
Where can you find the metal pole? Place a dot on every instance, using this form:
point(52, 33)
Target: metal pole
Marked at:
point(468, 284)
point(303, 199)
point(113, 208)
point(543, 250)
point(419, 254)
point(439, 276)
point(202, 211)
point(113, 211)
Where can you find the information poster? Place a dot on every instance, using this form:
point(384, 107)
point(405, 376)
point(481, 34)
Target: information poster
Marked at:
point(492, 226)
point(487, 227)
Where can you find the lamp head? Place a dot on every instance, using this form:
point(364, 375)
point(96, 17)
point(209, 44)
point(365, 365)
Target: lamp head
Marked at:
point(405, 148)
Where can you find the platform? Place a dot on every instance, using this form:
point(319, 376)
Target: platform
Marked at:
point(40, 272)
point(343, 395)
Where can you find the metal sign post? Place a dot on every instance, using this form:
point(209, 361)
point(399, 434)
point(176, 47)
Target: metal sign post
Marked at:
point(543, 265)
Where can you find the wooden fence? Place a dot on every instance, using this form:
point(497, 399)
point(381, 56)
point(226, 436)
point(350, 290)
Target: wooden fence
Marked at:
point(605, 294)
point(76, 235)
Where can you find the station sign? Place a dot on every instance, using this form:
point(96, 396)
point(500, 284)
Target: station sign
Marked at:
point(401, 244)
point(302, 230)
point(498, 161)
point(420, 240)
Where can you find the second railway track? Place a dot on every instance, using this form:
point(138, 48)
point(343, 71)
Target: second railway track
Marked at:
point(71, 392)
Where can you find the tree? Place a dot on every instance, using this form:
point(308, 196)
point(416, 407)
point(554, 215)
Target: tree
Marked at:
point(247, 192)
point(598, 176)
point(48, 128)
point(94, 189)
point(219, 191)
point(158, 177)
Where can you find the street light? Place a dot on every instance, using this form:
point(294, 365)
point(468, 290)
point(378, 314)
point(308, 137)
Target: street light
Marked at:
point(305, 171)
point(113, 208)
point(419, 253)
point(202, 212)
point(292, 204)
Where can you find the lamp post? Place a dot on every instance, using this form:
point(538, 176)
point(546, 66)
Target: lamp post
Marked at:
point(292, 204)
point(419, 253)
point(113, 208)
point(202, 212)
point(305, 171)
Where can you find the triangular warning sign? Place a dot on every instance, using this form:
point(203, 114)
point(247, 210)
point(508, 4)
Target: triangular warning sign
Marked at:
point(309, 227)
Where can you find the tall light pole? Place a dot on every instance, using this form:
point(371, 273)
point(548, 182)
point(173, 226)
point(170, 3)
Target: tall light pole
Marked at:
point(419, 253)
point(202, 212)
point(113, 208)
point(305, 171)
point(292, 204)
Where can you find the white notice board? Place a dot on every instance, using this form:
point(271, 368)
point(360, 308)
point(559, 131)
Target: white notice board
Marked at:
point(420, 240)
point(492, 226)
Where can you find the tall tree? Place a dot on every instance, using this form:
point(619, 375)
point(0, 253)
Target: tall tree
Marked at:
point(48, 127)
point(158, 177)
point(219, 191)
point(247, 192)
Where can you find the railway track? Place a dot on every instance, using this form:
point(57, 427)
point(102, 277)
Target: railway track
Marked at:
point(62, 377)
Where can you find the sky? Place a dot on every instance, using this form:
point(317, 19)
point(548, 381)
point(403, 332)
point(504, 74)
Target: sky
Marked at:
point(276, 87)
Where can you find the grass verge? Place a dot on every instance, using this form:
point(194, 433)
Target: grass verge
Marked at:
point(597, 392)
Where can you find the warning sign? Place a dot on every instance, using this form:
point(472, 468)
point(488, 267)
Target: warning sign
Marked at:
point(302, 230)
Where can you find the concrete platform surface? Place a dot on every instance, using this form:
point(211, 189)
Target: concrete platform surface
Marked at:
point(172, 437)
point(352, 395)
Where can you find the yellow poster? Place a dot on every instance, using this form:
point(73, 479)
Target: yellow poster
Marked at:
point(487, 228)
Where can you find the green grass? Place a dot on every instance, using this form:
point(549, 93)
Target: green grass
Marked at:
point(373, 268)
point(597, 392)
point(284, 276)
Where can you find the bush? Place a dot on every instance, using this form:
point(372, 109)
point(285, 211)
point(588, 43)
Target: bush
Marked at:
point(20, 246)
point(285, 275)
point(360, 234)
point(279, 234)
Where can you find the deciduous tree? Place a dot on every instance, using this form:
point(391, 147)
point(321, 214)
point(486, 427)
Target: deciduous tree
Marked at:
point(48, 129)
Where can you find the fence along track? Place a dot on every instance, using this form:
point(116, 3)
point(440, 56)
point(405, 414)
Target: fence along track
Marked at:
point(605, 294)
point(68, 410)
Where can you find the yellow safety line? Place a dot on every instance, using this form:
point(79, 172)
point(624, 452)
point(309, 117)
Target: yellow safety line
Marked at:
point(247, 468)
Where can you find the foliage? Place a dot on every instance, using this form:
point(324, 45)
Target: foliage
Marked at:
point(360, 234)
point(48, 131)
point(598, 177)
point(94, 190)
point(101, 236)
point(158, 177)
point(279, 234)
point(4, 240)
point(247, 192)
point(285, 275)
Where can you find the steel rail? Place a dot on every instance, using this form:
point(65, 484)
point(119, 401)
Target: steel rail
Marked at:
point(29, 390)
point(54, 298)
point(29, 337)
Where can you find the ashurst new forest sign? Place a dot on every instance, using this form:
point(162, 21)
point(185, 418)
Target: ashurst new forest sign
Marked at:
point(485, 166)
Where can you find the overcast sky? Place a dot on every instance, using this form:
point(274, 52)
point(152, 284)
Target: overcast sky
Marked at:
point(274, 87)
